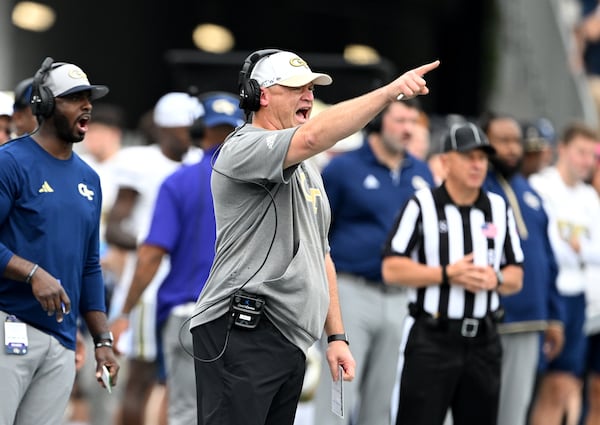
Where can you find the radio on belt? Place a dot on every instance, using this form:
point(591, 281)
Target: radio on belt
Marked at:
point(246, 309)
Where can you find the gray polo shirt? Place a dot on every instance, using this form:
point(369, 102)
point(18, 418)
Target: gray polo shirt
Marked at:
point(272, 227)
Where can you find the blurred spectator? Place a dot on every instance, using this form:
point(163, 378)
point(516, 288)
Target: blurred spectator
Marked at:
point(574, 211)
point(183, 228)
point(6, 111)
point(538, 146)
point(140, 171)
point(592, 326)
point(419, 145)
point(23, 120)
point(101, 145)
point(587, 35)
point(537, 309)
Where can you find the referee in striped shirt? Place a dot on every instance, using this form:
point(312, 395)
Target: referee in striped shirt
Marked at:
point(456, 247)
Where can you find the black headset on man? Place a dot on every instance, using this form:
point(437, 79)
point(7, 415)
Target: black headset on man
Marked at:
point(249, 87)
point(42, 99)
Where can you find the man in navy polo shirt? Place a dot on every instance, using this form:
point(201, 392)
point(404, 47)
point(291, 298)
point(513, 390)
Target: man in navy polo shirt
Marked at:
point(366, 189)
point(538, 308)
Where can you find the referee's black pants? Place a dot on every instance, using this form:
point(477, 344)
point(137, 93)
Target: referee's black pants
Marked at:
point(442, 369)
point(256, 381)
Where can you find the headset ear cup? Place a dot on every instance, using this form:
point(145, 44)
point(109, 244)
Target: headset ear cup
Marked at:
point(44, 104)
point(42, 99)
point(250, 95)
point(34, 104)
point(250, 88)
point(47, 103)
point(253, 91)
point(243, 86)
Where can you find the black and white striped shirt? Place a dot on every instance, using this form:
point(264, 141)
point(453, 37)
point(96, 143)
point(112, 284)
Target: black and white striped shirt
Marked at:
point(432, 230)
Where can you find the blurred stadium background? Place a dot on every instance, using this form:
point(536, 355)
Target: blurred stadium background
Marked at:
point(506, 55)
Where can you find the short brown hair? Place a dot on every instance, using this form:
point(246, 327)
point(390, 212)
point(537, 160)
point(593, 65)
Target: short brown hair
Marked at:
point(576, 129)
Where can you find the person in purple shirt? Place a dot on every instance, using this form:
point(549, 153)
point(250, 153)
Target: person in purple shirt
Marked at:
point(183, 227)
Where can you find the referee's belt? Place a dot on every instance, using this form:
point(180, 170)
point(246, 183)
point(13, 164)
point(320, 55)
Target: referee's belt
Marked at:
point(468, 327)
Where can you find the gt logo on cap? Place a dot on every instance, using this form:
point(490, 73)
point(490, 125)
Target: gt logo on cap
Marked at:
point(223, 106)
point(297, 62)
point(77, 74)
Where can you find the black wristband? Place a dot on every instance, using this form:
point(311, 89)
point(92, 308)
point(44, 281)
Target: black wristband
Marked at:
point(103, 337)
point(445, 275)
point(338, 337)
point(104, 344)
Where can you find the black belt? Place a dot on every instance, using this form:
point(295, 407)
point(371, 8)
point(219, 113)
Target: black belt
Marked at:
point(468, 327)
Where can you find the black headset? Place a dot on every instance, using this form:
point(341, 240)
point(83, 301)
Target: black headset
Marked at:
point(249, 87)
point(42, 99)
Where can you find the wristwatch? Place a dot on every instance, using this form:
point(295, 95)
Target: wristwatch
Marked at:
point(338, 337)
point(103, 337)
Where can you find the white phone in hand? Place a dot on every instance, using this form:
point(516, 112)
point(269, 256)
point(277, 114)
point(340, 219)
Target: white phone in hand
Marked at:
point(337, 394)
point(106, 379)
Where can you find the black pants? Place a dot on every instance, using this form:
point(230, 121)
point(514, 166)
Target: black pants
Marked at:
point(257, 380)
point(443, 369)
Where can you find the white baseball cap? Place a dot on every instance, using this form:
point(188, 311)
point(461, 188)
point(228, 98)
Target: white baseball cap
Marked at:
point(177, 109)
point(286, 69)
point(66, 78)
point(6, 103)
